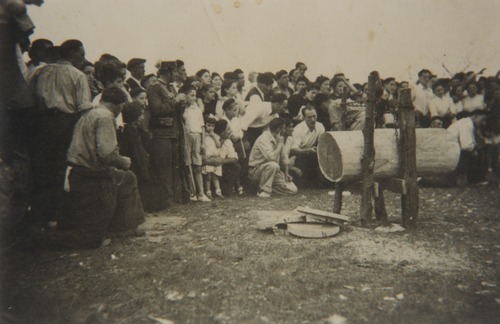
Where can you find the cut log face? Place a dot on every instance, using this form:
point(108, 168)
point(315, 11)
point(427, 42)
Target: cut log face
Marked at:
point(340, 154)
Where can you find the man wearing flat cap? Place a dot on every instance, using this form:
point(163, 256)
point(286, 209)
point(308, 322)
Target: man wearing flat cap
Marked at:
point(165, 124)
point(262, 92)
point(137, 69)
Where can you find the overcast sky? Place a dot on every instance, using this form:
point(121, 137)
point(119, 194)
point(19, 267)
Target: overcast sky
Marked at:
point(395, 37)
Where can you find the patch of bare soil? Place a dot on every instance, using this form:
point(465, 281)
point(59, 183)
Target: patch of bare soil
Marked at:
point(206, 263)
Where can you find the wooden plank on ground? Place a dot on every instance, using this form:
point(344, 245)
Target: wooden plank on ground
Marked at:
point(318, 212)
point(312, 230)
point(310, 218)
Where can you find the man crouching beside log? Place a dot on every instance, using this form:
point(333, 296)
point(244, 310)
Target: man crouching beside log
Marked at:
point(467, 131)
point(103, 196)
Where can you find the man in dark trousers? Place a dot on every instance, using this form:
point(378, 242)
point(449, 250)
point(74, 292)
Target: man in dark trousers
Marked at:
point(166, 127)
point(103, 196)
point(63, 94)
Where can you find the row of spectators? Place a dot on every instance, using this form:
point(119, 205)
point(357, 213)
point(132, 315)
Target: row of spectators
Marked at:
point(120, 141)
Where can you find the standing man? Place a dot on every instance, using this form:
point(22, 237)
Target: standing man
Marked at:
point(259, 115)
point(421, 96)
point(179, 76)
point(137, 69)
point(264, 162)
point(165, 124)
point(283, 80)
point(240, 77)
point(302, 68)
point(63, 94)
point(38, 55)
point(262, 92)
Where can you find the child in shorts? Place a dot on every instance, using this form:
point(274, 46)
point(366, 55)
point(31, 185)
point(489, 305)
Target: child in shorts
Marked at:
point(195, 139)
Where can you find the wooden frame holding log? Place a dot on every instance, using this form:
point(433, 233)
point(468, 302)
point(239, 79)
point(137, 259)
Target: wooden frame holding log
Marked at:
point(394, 158)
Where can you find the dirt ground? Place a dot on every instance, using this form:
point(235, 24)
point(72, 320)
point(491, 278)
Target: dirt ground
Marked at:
point(207, 263)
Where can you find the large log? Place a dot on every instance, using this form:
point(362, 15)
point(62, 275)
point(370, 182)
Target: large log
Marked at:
point(340, 154)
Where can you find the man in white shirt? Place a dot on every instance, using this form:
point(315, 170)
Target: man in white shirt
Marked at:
point(305, 140)
point(264, 162)
point(258, 115)
point(421, 95)
point(465, 130)
point(442, 105)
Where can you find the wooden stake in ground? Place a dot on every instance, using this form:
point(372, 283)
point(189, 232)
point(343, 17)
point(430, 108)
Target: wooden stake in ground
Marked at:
point(407, 149)
point(339, 186)
point(368, 159)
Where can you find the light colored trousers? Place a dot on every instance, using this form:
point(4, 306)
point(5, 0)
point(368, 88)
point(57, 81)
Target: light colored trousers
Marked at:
point(270, 178)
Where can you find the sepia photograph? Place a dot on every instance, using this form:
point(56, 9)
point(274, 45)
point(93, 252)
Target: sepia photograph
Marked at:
point(249, 161)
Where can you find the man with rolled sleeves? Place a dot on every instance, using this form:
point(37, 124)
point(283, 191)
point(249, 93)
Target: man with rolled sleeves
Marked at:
point(264, 162)
point(63, 94)
point(259, 115)
point(165, 124)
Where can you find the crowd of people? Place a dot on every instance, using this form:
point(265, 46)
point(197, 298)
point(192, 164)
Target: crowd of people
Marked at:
point(107, 142)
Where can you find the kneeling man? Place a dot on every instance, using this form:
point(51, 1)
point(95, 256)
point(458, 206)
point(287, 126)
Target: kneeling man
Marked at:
point(264, 162)
point(305, 140)
point(103, 196)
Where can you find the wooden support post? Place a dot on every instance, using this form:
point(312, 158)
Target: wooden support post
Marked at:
point(368, 159)
point(339, 186)
point(379, 202)
point(337, 198)
point(409, 201)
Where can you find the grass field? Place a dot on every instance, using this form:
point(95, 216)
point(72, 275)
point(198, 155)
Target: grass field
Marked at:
point(207, 263)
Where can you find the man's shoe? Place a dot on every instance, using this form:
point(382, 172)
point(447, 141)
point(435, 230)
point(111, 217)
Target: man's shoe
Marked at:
point(204, 198)
point(263, 194)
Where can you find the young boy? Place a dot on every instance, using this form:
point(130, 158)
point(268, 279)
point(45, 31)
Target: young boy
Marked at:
point(231, 170)
point(112, 77)
point(212, 165)
point(195, 139)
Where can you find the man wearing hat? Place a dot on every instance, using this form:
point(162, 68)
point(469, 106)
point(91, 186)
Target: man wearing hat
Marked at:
point(262, 92)
point(258, 116)
point(137, 69)
point(165, 124)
